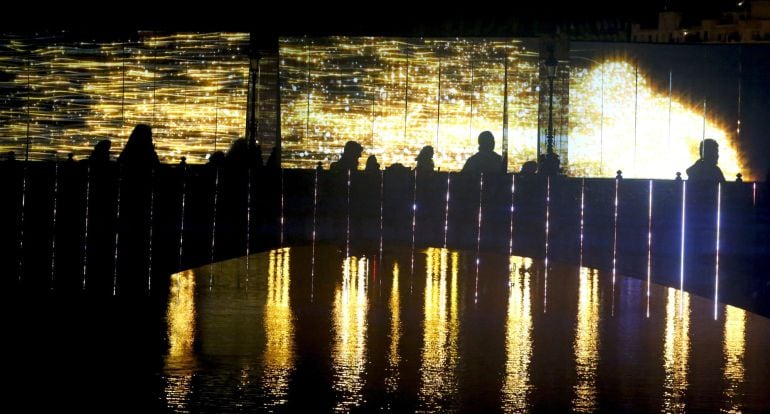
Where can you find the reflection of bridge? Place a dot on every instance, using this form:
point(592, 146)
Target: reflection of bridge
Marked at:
point(67, 225)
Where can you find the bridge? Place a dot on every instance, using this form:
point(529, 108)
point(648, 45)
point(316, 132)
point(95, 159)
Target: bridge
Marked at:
point(105, 230)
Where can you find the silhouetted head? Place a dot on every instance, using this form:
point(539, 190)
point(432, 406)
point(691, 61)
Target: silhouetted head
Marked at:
point(103, 146)
point(141, 136)
point(139, 149)
point(217, 158)
point(426, 154)
point(709, 151)
point(529, 168)
point(486, 142)
point(372, 164)
point(352, 150)
point(101, 151)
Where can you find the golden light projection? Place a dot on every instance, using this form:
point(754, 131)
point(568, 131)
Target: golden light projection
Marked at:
point(586, 344)
point(279, 327)
point(180, 319)
point(441, 328)
point(734, 348)
point(676, 350)
point(395, 96)
point(394, 358)
point(518, 338)
point(620, 120)
point(350, 326)
point(190, 87)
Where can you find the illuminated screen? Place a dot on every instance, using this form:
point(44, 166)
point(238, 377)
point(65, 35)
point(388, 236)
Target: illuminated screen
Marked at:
point(395, 96)
point(645, 108)
point(640, 108)
point(66, 94)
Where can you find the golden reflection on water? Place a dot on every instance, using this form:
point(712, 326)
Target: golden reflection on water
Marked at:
point(587, 341)
point(518, 338)
point(734, 352)
point(391, 381)
point(279, 327)
point(180, 317)
point(676, 350)
point(441, 328)
point(350, 326)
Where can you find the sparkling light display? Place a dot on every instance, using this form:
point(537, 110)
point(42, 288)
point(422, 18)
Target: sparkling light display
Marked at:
point(62, 94)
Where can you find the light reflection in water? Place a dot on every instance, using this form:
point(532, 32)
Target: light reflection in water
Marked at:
point(587, 341)
point(734, 352)
point(391, 381)
point(279, 327)
point(255, 351)
point(676, 348)
point(180, 318)
point(438, 382)
point(518, 338)
point(350, 326)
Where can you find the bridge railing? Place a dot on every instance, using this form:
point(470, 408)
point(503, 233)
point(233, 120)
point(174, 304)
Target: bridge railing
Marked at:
point(109, 230)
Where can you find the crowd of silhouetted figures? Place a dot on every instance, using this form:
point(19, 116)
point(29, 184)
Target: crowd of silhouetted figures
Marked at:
point(122, 227)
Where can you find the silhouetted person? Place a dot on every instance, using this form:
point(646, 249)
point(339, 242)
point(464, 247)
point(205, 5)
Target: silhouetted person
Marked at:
point(139, 150)
point(217, 159)
point(425, 160)
point(486, 160)
point(349, 159)
point(705, 169)
point(372, 164)
point(529, 168)
point(101, 152)
point(242, 154)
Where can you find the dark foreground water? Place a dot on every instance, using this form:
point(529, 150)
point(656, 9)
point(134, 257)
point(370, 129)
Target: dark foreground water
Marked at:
point(429, 331)
point(433, 334)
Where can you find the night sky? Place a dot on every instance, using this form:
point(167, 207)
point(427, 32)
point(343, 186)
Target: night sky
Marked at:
point(353, 18)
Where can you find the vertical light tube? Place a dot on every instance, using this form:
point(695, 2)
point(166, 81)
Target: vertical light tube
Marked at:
point(649, 248)
point(682, 250)
point(716, 264)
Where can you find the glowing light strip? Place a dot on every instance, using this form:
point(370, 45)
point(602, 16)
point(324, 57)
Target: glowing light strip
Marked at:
point(181, 220)
point(282, 207)
point(312, 257)
point(347, 228)
point(446, 209)
point(85, 227)
point(681, 254)
point(53, 226)
point(382, 207)
point(716, 265)
point(478, 241)
point(213, 227)
point(248, 223)
point(649, 248)
point(582, 215)
point(152, 222)
point(615, 233)
point(414, 216)
point(614, 244)
point(547, 229)
point(117, 234)
point(20, 262)
point(510, 234)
